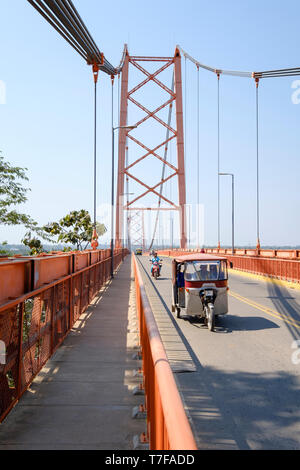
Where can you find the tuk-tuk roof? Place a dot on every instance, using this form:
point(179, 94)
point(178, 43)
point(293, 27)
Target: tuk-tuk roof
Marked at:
point(199, 257)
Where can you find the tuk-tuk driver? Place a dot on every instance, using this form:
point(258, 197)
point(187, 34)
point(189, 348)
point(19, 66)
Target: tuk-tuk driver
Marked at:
point(213, 272)
point(180, 275)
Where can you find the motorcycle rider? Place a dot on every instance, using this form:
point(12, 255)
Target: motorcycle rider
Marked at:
point(155, 259)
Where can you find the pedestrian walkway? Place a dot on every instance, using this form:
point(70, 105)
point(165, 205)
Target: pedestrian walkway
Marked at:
point(82, 398)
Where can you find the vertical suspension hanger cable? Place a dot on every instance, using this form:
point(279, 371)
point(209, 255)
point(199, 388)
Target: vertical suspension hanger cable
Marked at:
point(94, 242)
point(112, 178)
point(185, 102)
point(171, 195)
point(198, 156)
point(257, 166)
point(118, 98)
point(185, 131)
point(95, 142)
point(219, 235)
point(128, 216)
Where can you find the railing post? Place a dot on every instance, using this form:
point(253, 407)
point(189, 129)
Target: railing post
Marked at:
point(71, 296)
point(52, 320)
point(20, 350)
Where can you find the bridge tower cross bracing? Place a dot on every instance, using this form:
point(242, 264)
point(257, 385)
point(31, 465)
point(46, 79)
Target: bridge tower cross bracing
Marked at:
point(124, 168)
point(136, 229)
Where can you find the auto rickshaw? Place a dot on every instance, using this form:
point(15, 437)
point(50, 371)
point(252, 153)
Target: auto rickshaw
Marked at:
point(200, 286)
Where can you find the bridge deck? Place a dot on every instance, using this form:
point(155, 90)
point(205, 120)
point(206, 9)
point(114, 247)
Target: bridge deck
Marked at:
point(82, 398)
point(239, 384)
point(244, 390)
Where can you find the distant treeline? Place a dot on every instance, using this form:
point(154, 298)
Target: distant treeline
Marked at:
point(18, 249)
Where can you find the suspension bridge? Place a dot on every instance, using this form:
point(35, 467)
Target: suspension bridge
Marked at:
point(92, 355)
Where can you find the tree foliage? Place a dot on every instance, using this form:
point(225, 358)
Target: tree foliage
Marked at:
point(33, 243)
point(13, 193)
point(4, 252)
point(75, 228)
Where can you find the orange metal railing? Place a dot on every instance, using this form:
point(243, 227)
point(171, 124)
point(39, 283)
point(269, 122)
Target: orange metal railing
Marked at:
point(277, 264)
point(40, 300)
point(167, 423)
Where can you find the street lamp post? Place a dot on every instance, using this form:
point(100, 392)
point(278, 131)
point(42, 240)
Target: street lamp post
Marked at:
point(232, 182)
point(128, 128)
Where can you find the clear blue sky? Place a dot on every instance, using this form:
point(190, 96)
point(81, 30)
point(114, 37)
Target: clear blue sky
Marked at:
point(46, 124)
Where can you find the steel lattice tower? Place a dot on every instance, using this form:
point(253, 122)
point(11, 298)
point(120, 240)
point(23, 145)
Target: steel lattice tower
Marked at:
point(177, 134)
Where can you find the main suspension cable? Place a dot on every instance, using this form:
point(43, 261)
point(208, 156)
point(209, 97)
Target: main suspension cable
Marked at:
point(264, 74)
point(65, 19)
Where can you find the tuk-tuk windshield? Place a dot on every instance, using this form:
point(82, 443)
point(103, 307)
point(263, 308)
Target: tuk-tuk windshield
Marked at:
point(205, 270)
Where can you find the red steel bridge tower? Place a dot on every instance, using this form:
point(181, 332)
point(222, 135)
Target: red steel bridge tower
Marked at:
point(126, 170)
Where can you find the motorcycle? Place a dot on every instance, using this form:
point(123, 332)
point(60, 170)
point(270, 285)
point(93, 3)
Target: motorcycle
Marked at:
point(156, 268)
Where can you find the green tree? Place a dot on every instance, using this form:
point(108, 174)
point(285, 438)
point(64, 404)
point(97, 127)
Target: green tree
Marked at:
point(75, 228)
point(4, 252)
point(13, 193)
point(33, 243)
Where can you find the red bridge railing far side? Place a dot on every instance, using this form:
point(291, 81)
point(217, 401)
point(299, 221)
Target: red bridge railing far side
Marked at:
point(40, 300)
point(277, 264)
point(167, 424)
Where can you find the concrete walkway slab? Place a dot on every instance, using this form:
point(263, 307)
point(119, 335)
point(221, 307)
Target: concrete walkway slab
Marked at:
point(82, 398)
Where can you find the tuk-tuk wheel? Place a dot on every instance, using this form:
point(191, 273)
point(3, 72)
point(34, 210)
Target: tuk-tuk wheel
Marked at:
point(178, 312)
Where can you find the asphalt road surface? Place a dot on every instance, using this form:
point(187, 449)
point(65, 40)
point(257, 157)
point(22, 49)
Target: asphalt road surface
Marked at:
point(244, 391)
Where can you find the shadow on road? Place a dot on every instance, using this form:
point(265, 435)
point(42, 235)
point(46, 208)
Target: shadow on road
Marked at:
point(243, 410)
point(230, 323)
point(286, 305)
